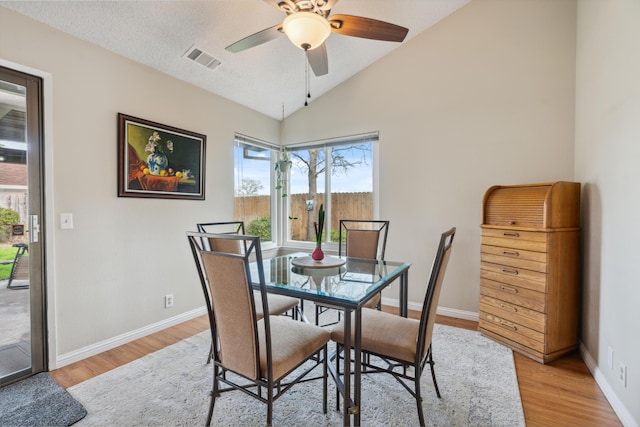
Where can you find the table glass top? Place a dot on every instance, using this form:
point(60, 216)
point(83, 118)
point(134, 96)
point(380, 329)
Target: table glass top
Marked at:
point(353, 282)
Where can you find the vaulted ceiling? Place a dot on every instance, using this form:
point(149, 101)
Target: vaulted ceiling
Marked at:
point(265, 78)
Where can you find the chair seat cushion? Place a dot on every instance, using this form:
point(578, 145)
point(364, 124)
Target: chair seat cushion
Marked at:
point(292, 342)
point(384, 333)
point(278, 304)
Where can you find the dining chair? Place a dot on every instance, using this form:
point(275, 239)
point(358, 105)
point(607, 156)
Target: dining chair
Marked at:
point(401, 343)
point(262, 352)
point(363, 238)
point(278, 304)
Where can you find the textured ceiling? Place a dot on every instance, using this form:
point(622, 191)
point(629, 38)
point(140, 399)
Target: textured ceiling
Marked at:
point(264, 78)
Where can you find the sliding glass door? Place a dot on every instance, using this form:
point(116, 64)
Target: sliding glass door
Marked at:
point(22, 308)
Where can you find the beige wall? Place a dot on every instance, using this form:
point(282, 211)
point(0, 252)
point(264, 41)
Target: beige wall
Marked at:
point(607, 155)
point(483, 98)
point(112, 270)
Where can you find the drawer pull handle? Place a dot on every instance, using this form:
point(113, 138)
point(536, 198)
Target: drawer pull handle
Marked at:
point(511, 234)
point(514, 272)
point(508, 307)
point(508, 289)
point(510, 253)
point(511, 327)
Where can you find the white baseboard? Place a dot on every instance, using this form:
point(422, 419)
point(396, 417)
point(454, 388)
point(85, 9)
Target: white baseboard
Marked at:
point(618, 407)
point(92, 350)
point(458, 314)
point(444, 311)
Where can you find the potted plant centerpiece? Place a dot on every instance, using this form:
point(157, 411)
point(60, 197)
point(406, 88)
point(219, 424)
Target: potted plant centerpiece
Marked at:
point(317, 254)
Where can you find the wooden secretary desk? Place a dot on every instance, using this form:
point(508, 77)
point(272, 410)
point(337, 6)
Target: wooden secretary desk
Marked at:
point(530, 269)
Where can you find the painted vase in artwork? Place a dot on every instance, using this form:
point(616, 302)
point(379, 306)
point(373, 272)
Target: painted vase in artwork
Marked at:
point(157, 162)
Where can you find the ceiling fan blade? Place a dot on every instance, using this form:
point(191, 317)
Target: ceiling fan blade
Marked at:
point(256, 39)
point(358, 26)
point(318, 60)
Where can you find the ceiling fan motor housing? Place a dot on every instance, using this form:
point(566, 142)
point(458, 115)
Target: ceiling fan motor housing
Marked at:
point(321, 7)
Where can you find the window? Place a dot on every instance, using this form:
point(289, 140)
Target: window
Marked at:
point(342, 168)
point(252, 186)
point(338, 174)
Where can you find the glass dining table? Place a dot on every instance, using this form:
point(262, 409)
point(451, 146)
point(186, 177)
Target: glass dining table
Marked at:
point(344, 283)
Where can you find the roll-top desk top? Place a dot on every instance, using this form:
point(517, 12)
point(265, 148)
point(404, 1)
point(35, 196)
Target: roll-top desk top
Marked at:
point(529, 275)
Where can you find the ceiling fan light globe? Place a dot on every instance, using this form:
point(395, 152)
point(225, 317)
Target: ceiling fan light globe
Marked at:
point(306, 30)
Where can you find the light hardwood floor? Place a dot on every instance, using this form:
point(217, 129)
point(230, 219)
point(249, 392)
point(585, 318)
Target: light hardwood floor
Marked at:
point(561, 393)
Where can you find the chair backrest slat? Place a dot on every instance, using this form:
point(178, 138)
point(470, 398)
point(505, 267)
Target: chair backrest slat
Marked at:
point(228, 291)
point(363, 238)
point(362, 243)
point(223, 245)
point(430, 305)
point(232, 301)
point(226, 227)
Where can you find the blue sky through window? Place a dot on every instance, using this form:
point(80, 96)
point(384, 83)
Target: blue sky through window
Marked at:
point(358, 178)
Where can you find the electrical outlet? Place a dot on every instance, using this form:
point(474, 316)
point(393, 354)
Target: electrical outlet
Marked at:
point(622, 374)
point(168, 301)
point(610, 357)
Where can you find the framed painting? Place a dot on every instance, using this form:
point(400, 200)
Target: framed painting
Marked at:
point(159, 161)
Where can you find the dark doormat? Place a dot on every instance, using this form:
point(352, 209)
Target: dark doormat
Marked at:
point(38, 401)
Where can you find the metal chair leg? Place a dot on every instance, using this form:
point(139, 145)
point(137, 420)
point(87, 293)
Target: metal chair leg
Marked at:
point(419, 399)
point(338, 346)
point(270, 405)
point(214, 394)
point(324, 380)
point(210, 357)
point(433, 373)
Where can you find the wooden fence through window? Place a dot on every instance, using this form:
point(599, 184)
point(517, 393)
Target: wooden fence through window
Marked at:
point(343, 206)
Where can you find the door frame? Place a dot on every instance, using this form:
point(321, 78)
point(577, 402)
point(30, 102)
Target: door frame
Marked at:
point(47, 223)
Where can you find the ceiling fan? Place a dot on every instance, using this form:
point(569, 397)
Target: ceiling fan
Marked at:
point(308, 25)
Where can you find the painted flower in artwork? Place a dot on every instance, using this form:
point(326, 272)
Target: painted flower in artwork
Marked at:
point(155, 144)
point(157, 161)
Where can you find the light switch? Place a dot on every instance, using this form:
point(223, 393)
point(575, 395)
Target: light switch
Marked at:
point(66, 221)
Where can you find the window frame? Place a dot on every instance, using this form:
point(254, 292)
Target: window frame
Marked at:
point(274, 149)
point(280, 206)
point(326, 144)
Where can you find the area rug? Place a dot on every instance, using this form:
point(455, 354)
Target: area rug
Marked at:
point(171, 387)
point(38, 401)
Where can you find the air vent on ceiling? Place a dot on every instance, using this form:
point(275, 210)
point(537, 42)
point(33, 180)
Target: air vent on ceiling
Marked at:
point(201, 57)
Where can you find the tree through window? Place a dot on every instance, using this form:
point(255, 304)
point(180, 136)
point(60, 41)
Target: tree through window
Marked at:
point(338, 175)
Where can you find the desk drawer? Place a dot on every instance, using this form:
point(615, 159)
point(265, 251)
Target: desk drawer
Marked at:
point(513, 331)
point(532, 300)
point(504, 242)
point(524, 240)
point(515, 234)
point(534, 280)
point(514, 313)
point(513, 258)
